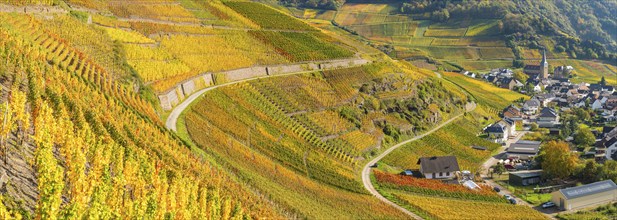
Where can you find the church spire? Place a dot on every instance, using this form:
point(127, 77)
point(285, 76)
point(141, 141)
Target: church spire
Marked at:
point(544, 62)
point(544, 65)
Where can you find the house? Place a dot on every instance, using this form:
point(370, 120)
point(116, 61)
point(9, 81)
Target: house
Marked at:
point(512, 112)
point(524, 150)
point(584, 196)
point(545, 98)
point(597, 104)
point(525, 178)
point(548, 118)
point(536, 85)
point(531, 106)
point(438, 167)
point(497, 132)
point(507, 83)
point(606, 147)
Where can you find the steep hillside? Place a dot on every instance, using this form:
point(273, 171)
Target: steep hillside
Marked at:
point(302, 138)
point(272, 116)
point(97, 149)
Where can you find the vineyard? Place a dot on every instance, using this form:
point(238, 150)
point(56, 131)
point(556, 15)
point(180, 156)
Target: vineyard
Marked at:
point(267, 17)
point(454, 139)
point(434, 187)
point(304, 129)
point(297, 47)
point(100, 149)
point(440, 208)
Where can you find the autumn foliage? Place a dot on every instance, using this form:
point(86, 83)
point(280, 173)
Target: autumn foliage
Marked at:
point(435, 187)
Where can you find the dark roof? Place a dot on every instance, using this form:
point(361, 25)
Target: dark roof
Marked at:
point(495, 128)
point(506, 80)
point(606, 130)
point(508, 121)
point(548, 112)
point(525, 147)
point(478, 147)
point(532, 67)
point(532, 103)
point(438, 164)
point(527, 174)
point(589, 189)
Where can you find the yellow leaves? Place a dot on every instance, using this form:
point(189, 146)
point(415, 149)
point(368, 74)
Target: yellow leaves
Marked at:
point(127, 36)
point(50, 174)
point(557, 159)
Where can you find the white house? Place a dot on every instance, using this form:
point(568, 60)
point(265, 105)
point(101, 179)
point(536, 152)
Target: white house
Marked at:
point(548, 118)
point(597, 104)
point(500, 132)
point(531, 106)
point(438, 167)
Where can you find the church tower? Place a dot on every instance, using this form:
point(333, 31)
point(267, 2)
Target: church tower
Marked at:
point(544, 66)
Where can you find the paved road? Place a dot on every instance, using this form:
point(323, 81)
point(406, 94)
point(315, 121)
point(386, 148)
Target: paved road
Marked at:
point(504, 191)
point(172, 119)
point(366, 171)
point(493, 160)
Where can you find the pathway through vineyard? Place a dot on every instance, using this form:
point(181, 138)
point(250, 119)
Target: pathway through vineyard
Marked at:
point(366, 171)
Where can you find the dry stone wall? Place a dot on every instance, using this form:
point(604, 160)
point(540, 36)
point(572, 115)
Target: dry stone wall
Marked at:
point(174, 96)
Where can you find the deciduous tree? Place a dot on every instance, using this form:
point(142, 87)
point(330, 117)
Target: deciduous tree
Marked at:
point(557, 159)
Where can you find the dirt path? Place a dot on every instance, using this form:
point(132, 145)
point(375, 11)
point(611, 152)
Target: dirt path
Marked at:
point(366, 171)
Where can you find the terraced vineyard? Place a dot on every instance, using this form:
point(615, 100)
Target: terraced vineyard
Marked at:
point(97, 148)
point(278, 127)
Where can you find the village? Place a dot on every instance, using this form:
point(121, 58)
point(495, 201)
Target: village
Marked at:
point(578, 120)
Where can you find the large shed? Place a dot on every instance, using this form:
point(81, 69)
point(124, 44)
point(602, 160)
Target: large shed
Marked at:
point(525, 178)
point(593, 194)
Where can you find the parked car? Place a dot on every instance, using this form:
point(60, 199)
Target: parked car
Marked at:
point(374, 165)
point(508, 197)
point(548, 205)
point(496, 189)
point(512, 201)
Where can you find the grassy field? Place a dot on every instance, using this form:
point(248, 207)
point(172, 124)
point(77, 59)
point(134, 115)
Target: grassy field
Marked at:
point(458, 32)
point(386, 29)
point(606, 212)
point(483, 28)
point(483, 65)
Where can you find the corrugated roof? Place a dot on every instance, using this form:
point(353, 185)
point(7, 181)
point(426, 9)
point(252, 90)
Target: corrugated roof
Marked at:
point(589, 189)
point(527, 174)
point(526, 147)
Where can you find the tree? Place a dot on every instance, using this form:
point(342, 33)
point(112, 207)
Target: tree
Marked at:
point(590, 172)
point(499, 168)
point(584, 137)
point(520, 76)
point(557, 160)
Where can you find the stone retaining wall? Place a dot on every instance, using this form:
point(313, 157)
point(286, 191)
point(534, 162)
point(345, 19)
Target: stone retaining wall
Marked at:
point(174, 96)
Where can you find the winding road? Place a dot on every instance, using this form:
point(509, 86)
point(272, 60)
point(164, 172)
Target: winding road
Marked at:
point(366, 171)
